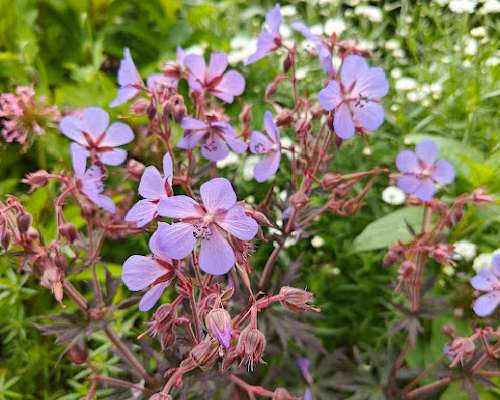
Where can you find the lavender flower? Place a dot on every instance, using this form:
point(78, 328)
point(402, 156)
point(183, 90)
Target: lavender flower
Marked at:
point(324, 51)
point(173, 70)
point(204, 222)
point(487, 280)
point(93, 136)
point(421, 172)
point(269, 39)
point(213, 79)
point(129, 80)
point(216, 136)
point(356, 97)
point(90, 181)
point(153, 187)
point(270, 145)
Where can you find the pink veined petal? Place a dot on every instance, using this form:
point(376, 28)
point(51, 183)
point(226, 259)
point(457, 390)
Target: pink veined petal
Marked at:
point(124, 94)
point(232, 84)
point(427, 151)
point(267, 167)
point(127, 73)
point(175, 241)
point(190, 139)
point(302, 28)
point(353, 68)
point(273, 20)
point(156, 81)
point(236, 144)
point(271, 128)
point(408, 183)
point(407, 161)
point(216, 66)
point(342, 122)
point(444, 172)
point(325, 59)
point(370, 115)
point(102, 201)
point(487, 303)
point(70, 127)
point(180, 54)
point(94, 121)
point(217, 194)
point(142, 212)
point(265, 45)
point(238, 224)
point(495, 265)
point(117, 134)
point(259, 143)
point(113, 157)
point(196, 65)
point(485, 280)
point(373, 84)
point(179, 206)
point(168, 168)
point(216, 255)
point(139, 272)
point(79, 159)
point(195, 85)
point(330, 97)
point(151, 185)
point(152, 296)
point(189, 123)
point(214, 148)
point(154, 239)
point(425, 190)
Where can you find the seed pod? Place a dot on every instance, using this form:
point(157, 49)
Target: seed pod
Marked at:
point(218, 323)
point(68, 231)
point(296, 300)
point(5, 239)
point(205, 354)
point(251, 346)
point(77, 354)
point(36, 179)
point(24, 222)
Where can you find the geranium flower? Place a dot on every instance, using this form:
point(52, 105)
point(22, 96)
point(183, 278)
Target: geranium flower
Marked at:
point(213, 79)
point(90, 182)
point(206, 223)
point(216, 136)
point(270, 38)
point(153, 187)
point(270, 145)
point(421, 172)
point(172, 70)
point(356, 97)
point(487, 280)
point(129, 80)
point(93, 136)
point(324, 51)
point(140, 272)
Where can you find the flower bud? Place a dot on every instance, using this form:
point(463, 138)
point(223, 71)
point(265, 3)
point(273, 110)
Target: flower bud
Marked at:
point(160, 396)
point(205, 353)
point(23, 222)
point(135, 169)
point(258, 216)
point(449, 330)
point(282, 394)
point(246, 114)
point(68, 231)
point(140, 107)
point(36, 179)
point(299, 200)
point(178, 108)
point(77, 354)
point(296, 300)
point(479, 196)
point(151, 111)
point(5, 239)
point(251, 346)
point(218, 323)
point(284, 118)
point(331, 180)
point(52, 279)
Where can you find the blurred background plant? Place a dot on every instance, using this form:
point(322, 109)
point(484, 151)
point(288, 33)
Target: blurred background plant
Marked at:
point(443, 61)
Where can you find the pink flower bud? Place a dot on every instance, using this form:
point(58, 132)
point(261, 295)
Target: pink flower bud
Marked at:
point(23, 222)
point(299, 200)
point(251, 346)
point(36, 179)
point(52, 279)
point(284, 118)
point(218, 323)
point(205, 354)
point(68, 231)
point(296, 300)
point(135, 169)
point(77, 354)
point(331, 180)
point(282, 394)
point(140, 107)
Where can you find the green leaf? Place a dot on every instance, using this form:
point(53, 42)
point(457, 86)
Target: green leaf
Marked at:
point(386, 230)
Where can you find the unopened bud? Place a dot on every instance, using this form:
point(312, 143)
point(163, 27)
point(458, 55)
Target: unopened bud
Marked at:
point(479, 196)
point(36, 179)
point(68, 231)
point(52, 279)
point(258, 216)
point(135, 169)
point(449, 330)
point(77, 354)
point(299, 200)
point(140, 107)
point(23, 222)
point(331, 180)
point(296, 300)
point(5, 239)
point(205, 353)
point(160, 396)
point(151, 111)
point(287, 62)
point(251, 346)
point(284, 118)
point(245, 115)
point(282, 394)
point(218, 323)
point(178, 108)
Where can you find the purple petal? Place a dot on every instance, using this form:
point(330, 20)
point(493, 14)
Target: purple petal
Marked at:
point(495, 264)
point(307, 394)
point(267, 167)
point(330, 97)
point(190, 139)
point(259, 143)
point(152, 296)
point(142, 212)
point(273, 20)
point(154, 239)
point(117, 134)
point(216, 66)
point(175, 241)
point(407, 161)
point(124, 94)
point(236, 144)
point(195, 85)
point(342, 122)
point(232, 84)
point(444, 172)
point(270, 127)
point(373, 84)
point(156, 81)
point(70, 127)
point(265, 45)
point(168, 171)
point(180, 54)
point(79, 159)
point(214, 148)
point(408, 183)
point(151, 185)
point(485, 280)
point(94, 121)
point(370, 115)
point(427, 151)
point(179, 206)
point(139, 272)
point(189, 123)
point(425, 190)
point(216, 255)
point(299, 26)
point(113, 157)
point(238, 224)
point(102, 201)
point(325, 59)
point(196, 65)
point(127, 73)
point(217, 194)
point(487, 303)
point(353, 68)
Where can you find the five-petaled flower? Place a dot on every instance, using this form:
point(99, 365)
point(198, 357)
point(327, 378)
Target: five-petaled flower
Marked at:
point(487, 280)
point(323, 49)
point(204, 222)
point(216, 136)
point(93, 136)
point(420, 171)
point(269, 145)
point(153, 187)
point(201, 79)
point(356, 97)
point(269, 39)
point(129, 80)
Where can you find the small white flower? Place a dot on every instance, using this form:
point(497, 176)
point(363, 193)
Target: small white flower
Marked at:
point(478, 32)
point(470, 46)
point(462, 6)
point(393, 195)
point(464, 250)
point(336, 25)
point(288, 11)
point(367, 151)
point(317, 242)
point(366, 45)
point(317, 29)
point(449, 270)
point(399, 53)
point(335, 271)
point(490, 7)
point(374, 14)
point(482, 261)
point(406, 84)
point(301, 73)
point(392, 44)
point(492, 61)
point(248, 166)
point(441, 2)
point(396, 73)
point(231, 159)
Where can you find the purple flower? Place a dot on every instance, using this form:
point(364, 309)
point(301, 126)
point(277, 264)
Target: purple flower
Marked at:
point(89, 182)
point(216, 137)
point(129, 80)
point(421, 172)
point(140, 272)
point(270, 145)
point(270, 38)
point(173, 70)
point(204, 222)
point(356, 98)
point(213, 79)
point(487, 280)
point(324, 51)
point(153, 187)
point(307, 394)
point(93, 136)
